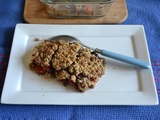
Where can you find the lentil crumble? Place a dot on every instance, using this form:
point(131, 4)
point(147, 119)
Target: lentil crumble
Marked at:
point(69, 63)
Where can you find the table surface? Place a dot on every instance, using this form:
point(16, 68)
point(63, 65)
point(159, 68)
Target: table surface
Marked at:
point(140, 12)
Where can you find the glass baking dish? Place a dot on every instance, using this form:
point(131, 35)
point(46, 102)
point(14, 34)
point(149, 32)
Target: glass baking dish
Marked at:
point(77, 8)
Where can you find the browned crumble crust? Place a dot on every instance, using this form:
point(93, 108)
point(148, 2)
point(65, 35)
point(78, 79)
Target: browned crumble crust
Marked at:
point(69, 63)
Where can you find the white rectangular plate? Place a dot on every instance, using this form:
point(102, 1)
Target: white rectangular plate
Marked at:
point(122, 84)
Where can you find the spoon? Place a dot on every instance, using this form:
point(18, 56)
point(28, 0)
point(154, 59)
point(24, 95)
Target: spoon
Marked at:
point(120, 57)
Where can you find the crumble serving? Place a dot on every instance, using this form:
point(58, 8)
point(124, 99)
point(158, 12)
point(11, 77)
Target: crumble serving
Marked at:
point(69, 63)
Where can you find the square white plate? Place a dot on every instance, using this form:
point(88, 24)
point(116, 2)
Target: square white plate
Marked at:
point(122, 84)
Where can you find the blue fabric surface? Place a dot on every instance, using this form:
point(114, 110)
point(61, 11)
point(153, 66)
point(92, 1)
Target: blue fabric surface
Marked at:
point(144, 12)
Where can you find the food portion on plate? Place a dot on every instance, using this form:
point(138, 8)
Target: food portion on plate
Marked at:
point(68, 62)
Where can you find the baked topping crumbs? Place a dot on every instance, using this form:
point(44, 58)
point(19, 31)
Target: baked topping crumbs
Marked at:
point(69, 63)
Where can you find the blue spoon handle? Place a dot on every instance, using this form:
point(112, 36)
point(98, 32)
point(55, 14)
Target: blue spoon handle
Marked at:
point(126, 59)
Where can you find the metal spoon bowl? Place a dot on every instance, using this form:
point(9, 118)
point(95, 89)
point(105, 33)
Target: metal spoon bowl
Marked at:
point(120, 57)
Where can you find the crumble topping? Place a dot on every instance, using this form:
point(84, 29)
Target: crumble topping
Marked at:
point(69, 63)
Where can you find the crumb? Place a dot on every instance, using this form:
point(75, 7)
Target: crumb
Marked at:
point(39, 39)
point(36, 39)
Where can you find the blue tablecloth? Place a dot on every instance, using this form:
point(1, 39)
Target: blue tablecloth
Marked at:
point(144, 12)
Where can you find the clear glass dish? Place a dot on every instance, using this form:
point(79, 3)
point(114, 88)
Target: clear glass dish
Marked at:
point(77, 8)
